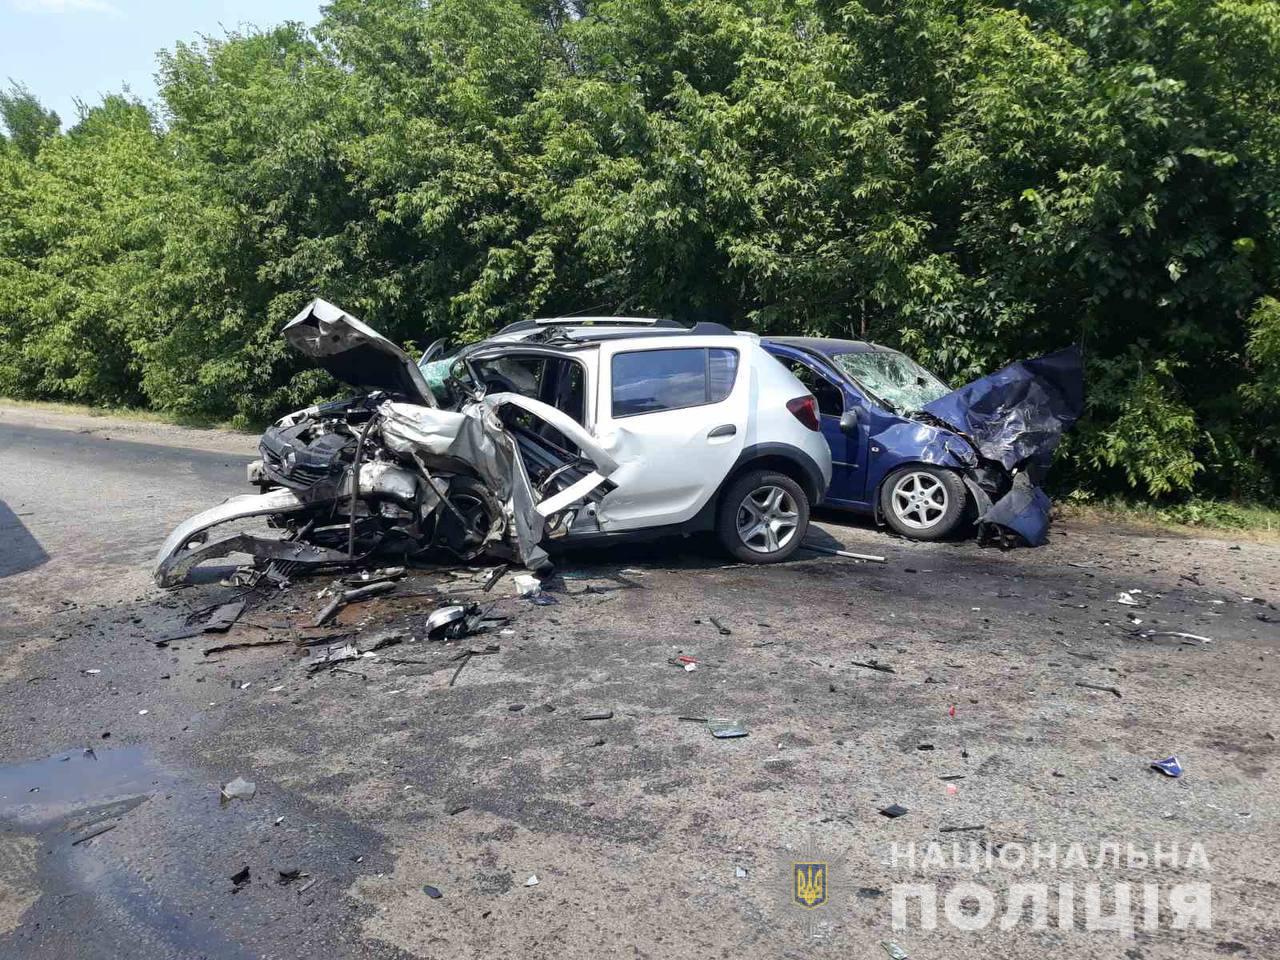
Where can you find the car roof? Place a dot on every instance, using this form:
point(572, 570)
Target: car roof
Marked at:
point(829, 345)
point(571, 331)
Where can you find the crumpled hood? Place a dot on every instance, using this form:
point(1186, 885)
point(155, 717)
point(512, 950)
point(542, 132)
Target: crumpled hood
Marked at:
point(355, 353)
point(1017, 415)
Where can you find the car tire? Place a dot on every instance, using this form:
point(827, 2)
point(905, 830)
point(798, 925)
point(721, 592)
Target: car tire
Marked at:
point(477, 506)
point(763, 517)
point(924, 503)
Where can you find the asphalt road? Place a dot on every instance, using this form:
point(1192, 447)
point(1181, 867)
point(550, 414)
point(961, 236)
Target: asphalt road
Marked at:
point(970, 686)
point(82, 513)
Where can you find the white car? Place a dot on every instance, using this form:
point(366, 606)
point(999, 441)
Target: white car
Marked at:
point(709, 431)
point(573, 431)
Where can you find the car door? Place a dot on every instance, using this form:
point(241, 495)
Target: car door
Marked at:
point(846, 438)
point(674, 416)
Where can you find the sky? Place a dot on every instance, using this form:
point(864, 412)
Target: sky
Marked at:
point(65, 50)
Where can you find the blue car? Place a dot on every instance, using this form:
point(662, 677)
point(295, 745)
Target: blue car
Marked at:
point(931, 461)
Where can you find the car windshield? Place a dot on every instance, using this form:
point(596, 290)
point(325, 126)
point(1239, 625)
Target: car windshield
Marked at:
point(894, 378)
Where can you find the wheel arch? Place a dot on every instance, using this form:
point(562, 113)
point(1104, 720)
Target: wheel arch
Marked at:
point(785, 459)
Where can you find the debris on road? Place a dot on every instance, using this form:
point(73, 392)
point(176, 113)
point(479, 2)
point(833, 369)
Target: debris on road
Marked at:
point(220, 620)
point(353, 596)
point(894, 951)
point(238, 789)
point(85, 838)
point(893, 811)
point(1129, 600)
point(465, 657)
point(241, 876)
point(872, 665)
point(1169, 766)
point(1098, 686)
point(532, 881)
point(847, 554)
point(333, 655)
point(723, 728)
point(243, 645)
point(597, 715)
point(432, 892)
point(724, 631)
point(527, 585)
point(1194, 638)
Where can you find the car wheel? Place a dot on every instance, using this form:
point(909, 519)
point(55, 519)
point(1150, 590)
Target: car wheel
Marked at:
point(924, 503)
point(763, 517)
point(463, 530)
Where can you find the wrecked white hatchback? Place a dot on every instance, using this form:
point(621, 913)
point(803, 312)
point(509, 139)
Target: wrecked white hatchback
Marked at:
point(657, 429)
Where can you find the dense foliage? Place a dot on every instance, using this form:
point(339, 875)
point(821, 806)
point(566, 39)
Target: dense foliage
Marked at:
point(974, 182)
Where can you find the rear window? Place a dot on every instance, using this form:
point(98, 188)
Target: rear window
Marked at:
point(647, 381)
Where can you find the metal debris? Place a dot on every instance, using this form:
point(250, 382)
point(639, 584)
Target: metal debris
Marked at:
point(847, 554)
point(352, 596)
point(893, 811)
point(1098, 686)
point(873, 665)
point(333, 654)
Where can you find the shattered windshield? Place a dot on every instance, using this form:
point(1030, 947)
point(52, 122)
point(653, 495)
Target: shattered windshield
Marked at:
point(894, 378)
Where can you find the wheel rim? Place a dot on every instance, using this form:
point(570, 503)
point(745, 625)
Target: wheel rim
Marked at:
point(475, 515)
point(919, 500)
point(768, 519)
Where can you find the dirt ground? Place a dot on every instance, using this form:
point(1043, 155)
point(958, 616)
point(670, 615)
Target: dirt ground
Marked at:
point(648, 836)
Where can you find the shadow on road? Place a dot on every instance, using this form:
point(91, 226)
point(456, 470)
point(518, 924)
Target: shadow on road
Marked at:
point(19, 550)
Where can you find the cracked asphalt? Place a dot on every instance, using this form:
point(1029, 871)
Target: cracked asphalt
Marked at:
point(648, 836)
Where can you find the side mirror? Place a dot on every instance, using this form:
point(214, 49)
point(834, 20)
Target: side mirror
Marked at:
point(849, 421)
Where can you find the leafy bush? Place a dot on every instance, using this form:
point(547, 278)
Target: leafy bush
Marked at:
point(972, 181)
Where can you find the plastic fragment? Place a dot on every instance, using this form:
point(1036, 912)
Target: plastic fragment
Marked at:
point(239, 788)
point(1169, 766)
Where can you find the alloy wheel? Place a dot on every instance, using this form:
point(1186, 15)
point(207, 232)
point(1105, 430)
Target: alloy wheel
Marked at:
point(919, 500)
point(767, 519)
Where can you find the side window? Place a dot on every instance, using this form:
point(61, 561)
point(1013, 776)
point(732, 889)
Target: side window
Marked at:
point(722, 371)
point(830, 402)
point(647, 381)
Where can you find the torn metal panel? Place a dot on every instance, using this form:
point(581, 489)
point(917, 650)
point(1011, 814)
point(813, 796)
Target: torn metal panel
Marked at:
point(355, 353)
point(236, 508)
point(1024, 510)
point(924, 443)
point(1016, 416)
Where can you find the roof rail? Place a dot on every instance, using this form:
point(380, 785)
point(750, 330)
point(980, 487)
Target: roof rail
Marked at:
point(606, 321)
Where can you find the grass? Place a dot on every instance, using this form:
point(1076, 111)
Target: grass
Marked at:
point(126, 413)
point(1191, 518)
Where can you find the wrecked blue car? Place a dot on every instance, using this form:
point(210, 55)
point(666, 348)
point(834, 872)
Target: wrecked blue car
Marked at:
point(930, 461)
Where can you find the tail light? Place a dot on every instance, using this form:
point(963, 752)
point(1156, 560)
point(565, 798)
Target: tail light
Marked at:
point(805, 409)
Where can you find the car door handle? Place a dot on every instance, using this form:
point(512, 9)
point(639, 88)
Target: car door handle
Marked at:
point(724, 430)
